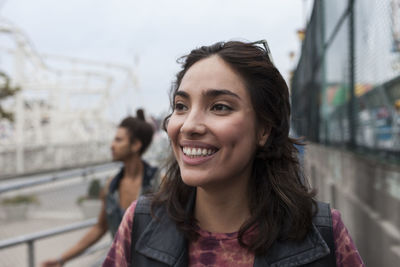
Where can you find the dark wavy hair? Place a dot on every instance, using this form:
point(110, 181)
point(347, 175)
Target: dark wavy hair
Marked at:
point(139, 129)
point(281, 202)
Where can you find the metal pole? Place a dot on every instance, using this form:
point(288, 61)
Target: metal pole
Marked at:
point(19, 112)
point(323, 114)
point(31, 253)
point(351, 107)
point(19, 134)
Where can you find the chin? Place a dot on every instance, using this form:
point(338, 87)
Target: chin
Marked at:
point(195, 179)
point(190, 182)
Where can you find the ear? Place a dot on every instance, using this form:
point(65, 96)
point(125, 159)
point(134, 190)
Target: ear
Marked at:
point(136, 146)
point(263, 135)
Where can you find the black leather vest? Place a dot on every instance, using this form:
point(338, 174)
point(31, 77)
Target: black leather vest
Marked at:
point(158, 243)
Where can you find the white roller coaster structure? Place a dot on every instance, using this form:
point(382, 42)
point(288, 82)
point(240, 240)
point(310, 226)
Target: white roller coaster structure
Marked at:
point(63, 110)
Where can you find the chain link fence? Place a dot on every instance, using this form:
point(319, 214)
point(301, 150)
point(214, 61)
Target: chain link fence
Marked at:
point(346, 88)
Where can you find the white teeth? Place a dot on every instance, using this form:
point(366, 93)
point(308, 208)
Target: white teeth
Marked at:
point(193, 152)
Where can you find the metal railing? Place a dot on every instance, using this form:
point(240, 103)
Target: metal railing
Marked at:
point(30, 239)
point(58, 176)
point(37, 180)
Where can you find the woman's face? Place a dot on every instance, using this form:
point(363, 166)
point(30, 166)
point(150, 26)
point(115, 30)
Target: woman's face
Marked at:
point(213, 126)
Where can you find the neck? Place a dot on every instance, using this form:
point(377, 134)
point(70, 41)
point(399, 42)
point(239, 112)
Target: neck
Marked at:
point(222, 210)
point(133, 167)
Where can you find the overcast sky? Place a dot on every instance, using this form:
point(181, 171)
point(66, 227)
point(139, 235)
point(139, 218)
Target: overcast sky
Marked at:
point(157, 32)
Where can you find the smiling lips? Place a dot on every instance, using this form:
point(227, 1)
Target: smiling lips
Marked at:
point(197, 152)
point(197, 155)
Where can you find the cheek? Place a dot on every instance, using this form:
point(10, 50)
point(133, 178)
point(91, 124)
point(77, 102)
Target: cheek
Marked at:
point(173, 129)
point(237, 131)
point(173, 132)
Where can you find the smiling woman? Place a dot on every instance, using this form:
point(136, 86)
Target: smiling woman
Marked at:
point(233, 193)
point(217, 120)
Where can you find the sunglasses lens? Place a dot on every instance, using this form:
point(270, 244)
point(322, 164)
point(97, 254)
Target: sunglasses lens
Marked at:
point(266, 47)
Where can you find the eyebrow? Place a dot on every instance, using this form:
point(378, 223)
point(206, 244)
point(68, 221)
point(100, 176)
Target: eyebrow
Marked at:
point(218, 92)
point(209, 93)
point(181, 94)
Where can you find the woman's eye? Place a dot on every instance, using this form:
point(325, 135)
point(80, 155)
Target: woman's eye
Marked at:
point(179, 107)
point(221, 107)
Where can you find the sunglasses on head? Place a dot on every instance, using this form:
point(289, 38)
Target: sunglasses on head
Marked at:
point(266, 47)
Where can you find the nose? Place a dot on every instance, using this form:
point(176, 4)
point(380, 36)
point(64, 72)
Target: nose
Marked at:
point(194, 123)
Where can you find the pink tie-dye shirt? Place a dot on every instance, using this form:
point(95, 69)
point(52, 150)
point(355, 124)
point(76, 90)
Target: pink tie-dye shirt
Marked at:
point(221, 250)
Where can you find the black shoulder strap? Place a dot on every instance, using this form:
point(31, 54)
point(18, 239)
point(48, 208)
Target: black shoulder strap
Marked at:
point(141, 219)
point(323, 222)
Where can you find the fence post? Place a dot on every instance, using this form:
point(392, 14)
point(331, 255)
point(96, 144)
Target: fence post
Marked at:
point(351, 109)
point(31, 253)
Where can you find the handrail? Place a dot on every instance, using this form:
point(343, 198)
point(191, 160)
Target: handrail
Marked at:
point(31, 238)
point(43, 234)
point(58, 176)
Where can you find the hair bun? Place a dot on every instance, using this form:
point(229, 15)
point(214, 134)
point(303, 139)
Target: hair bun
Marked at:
point(140, 114)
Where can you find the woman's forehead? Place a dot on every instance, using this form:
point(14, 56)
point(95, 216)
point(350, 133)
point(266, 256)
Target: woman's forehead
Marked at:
point(212, 73)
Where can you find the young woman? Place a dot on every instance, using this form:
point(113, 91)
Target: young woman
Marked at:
point(233, 193)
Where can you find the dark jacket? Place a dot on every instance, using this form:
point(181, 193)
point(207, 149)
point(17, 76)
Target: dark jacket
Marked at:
point(114, 212)
point(158, 243)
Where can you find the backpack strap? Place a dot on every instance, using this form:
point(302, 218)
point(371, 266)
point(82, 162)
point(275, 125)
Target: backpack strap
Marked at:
point(323, 221)
point(141, 219)
point(156, 242)
point(315, 250)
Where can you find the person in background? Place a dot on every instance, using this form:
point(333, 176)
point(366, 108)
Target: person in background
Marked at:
point(135, 177)
point(233, 193)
